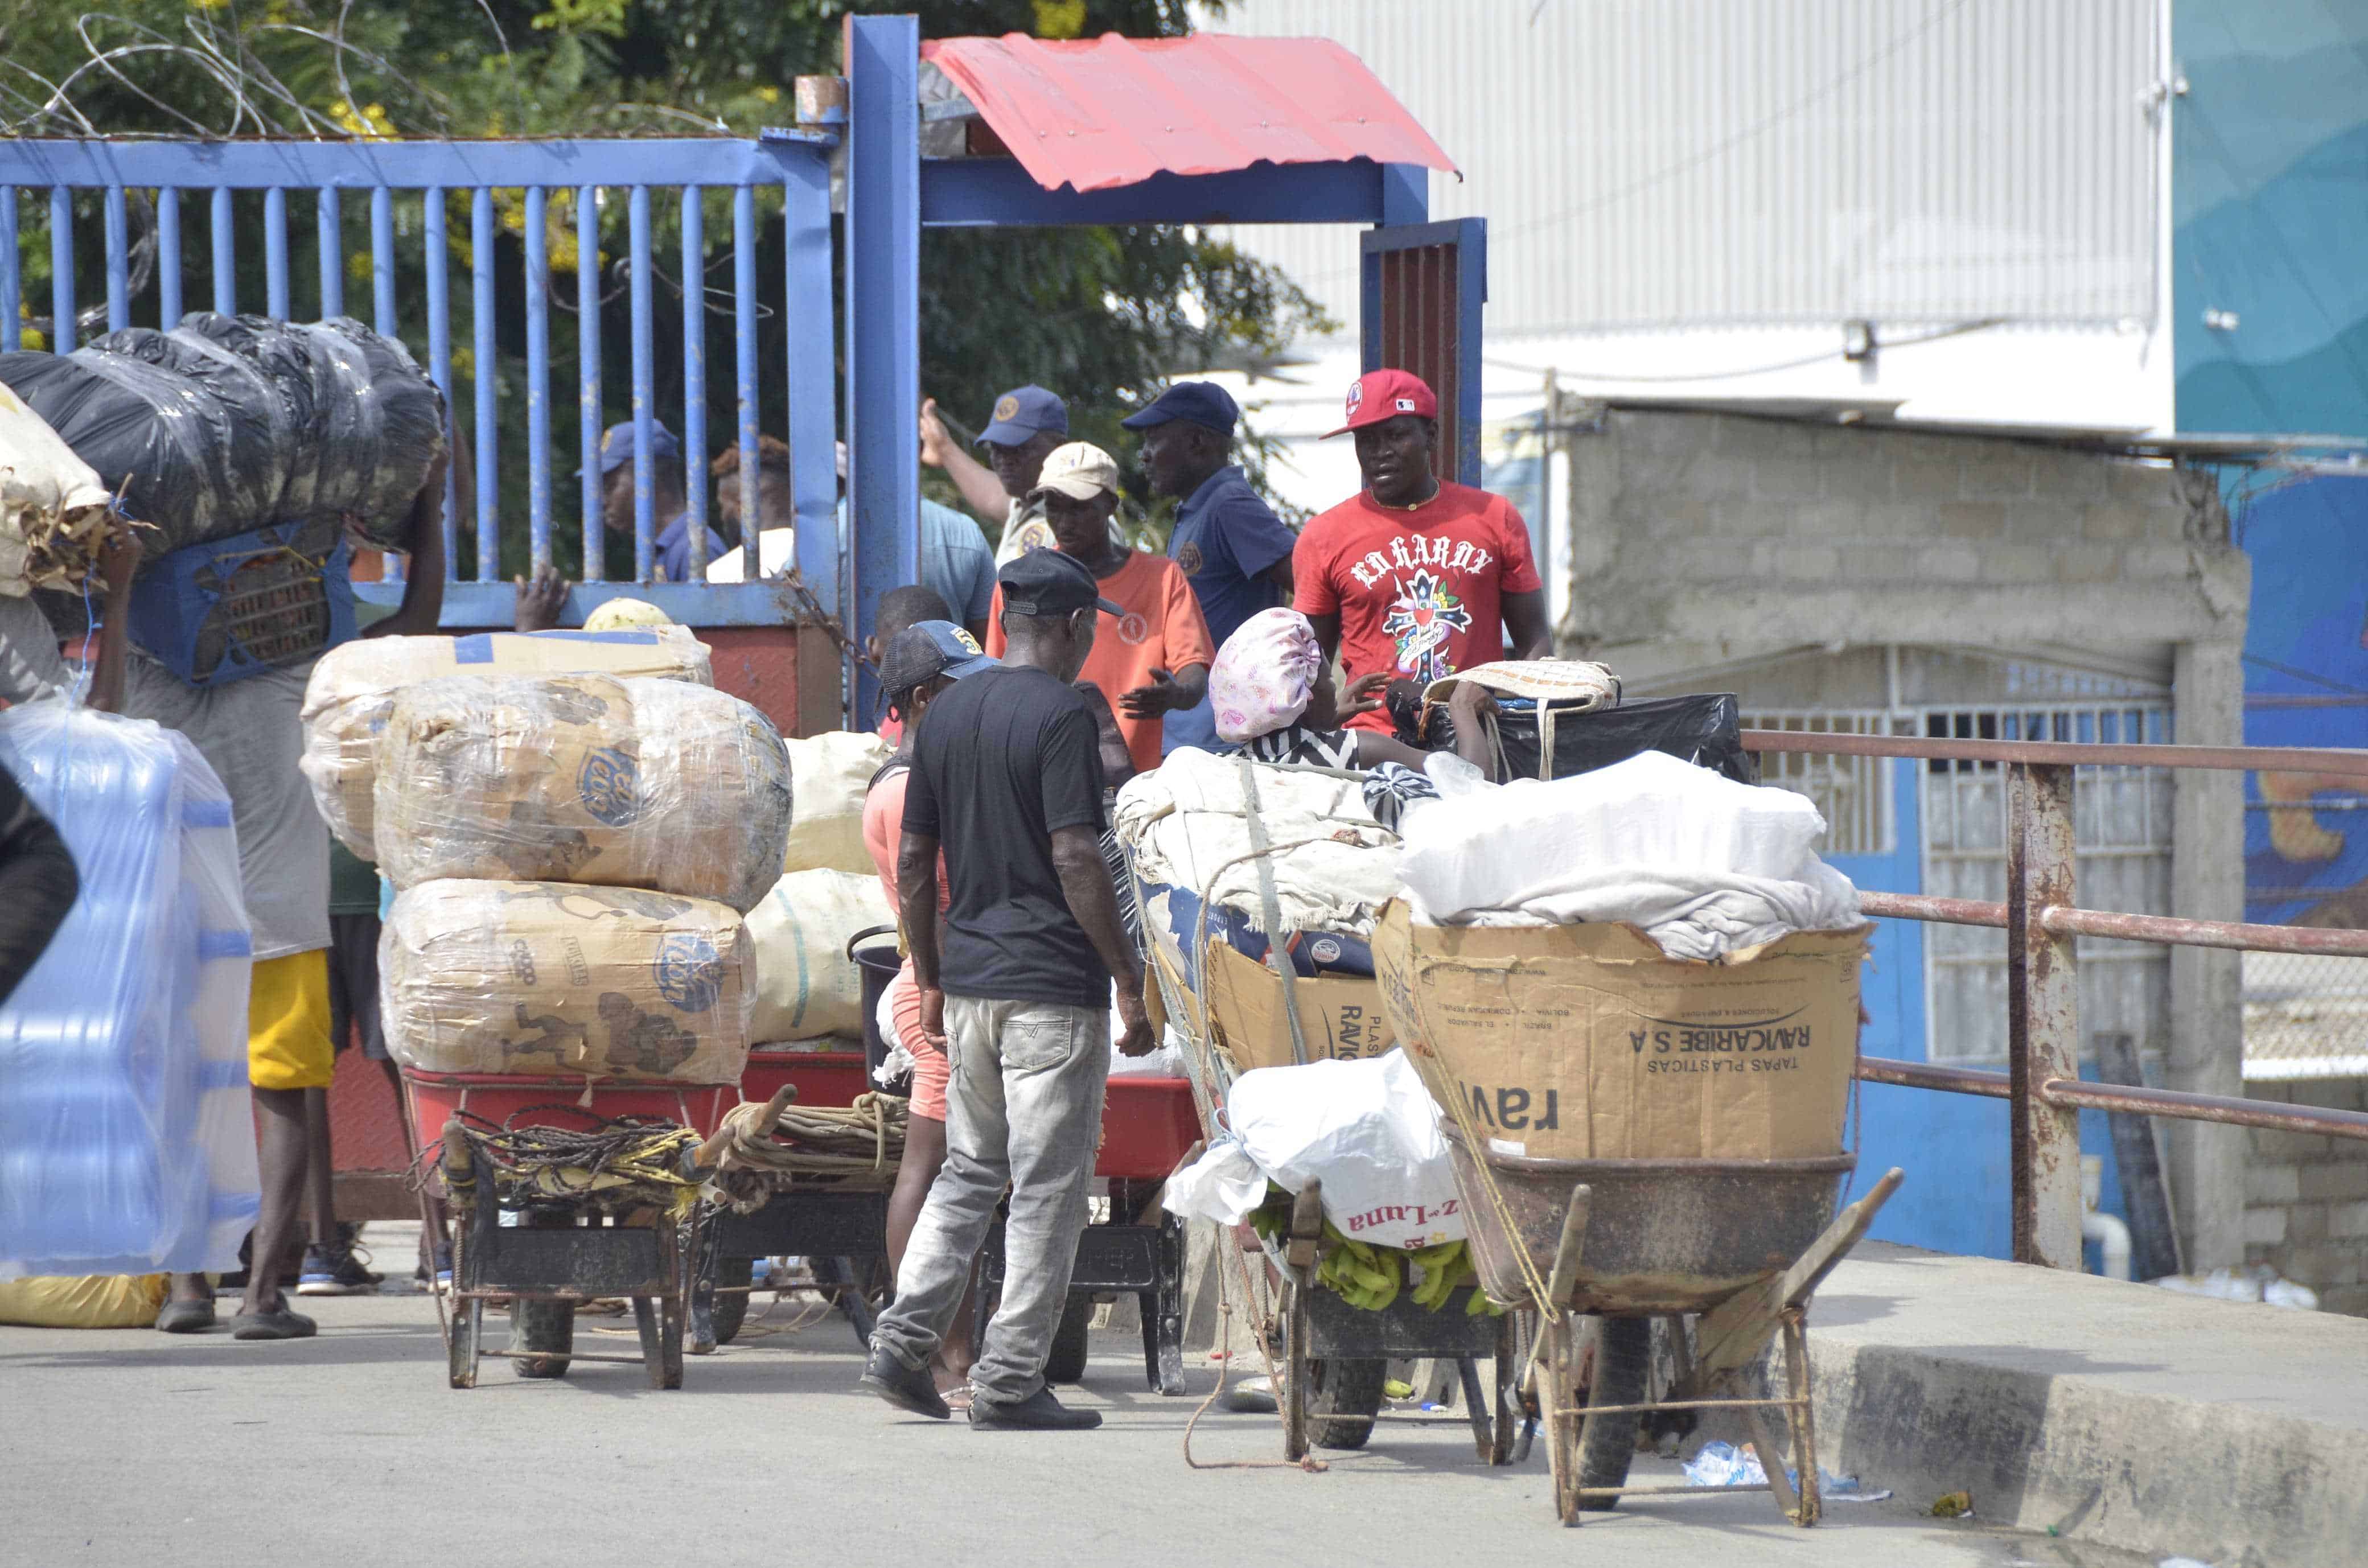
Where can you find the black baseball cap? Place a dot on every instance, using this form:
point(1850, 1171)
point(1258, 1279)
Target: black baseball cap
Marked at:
point(1045, 581)
point(928, 649)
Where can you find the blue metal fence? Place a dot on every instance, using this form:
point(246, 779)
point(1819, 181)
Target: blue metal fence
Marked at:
point(502, 176)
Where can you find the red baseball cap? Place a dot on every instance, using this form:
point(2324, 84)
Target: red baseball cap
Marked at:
point(1384, 395)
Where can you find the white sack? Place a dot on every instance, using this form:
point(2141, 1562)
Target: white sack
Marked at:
point(829, 776)
point(45, 490)
point(806, 986)
point(1702, 865)
point(1187, 822)
point(1224, 1185)
point(1368, 1130)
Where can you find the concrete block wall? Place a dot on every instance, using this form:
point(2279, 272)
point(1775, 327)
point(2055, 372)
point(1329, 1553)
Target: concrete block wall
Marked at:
point(2306, 1197)
point(1713, 504)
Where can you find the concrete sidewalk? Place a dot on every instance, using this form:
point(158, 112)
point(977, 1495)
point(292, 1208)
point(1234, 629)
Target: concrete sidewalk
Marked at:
point(2122, 1413)
point(129, 1444)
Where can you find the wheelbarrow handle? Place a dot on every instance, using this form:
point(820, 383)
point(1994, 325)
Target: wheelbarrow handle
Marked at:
point(866, 935)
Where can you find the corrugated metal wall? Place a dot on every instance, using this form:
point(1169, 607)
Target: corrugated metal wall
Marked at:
point(1651, 163)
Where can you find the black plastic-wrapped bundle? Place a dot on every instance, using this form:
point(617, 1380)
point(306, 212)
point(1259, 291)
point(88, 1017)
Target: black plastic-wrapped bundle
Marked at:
point(1704, 730)
point(381, 427)
point(227, 424)
point(175, 454)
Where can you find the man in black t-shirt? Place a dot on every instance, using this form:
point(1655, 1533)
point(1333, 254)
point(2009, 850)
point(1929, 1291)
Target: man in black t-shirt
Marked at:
point(1015, 982)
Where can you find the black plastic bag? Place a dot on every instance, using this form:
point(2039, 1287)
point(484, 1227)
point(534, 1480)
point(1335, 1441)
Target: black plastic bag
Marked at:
point(227, 424)
point(1704, 730)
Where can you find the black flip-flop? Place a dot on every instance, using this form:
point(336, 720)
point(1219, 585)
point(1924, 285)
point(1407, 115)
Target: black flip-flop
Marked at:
point(280, 1325)
point(185, 1316)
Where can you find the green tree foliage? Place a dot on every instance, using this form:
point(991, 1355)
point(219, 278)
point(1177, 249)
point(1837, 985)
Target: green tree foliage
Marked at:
point(1102, 315)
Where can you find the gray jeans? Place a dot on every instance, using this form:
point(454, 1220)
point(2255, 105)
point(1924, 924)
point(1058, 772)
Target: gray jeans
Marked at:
point(1024, 1106)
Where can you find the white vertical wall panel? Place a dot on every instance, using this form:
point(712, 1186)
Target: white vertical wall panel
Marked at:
point(1662, 162)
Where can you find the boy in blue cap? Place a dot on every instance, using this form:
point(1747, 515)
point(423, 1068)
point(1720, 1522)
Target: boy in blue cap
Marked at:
point(1027, 423)
point(666, 497)
point(1227, 540)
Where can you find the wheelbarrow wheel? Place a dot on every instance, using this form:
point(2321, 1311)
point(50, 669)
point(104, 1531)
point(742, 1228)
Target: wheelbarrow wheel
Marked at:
point(546, 1328)
point(1343, 1398)
point(1066, 1362)
point(731, 1308)
point(1607, 1443)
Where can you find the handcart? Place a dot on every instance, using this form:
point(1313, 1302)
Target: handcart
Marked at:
point(1335, 1357)
point(561, 1249)
point(1727, 1253)
point(1148, 1130)
point(840, 1228)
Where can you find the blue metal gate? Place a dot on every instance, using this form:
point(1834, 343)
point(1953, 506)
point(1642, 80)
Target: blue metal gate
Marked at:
point(512, 187)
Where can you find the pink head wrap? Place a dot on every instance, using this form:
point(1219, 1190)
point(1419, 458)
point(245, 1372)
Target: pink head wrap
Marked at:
point(1263, 675)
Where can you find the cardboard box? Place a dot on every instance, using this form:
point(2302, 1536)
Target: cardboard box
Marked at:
point(1586, 1042)
point(1340, 1017)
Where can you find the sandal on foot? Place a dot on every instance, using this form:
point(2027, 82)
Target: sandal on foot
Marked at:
point(280, 1325)
point(957, 1398)
point(185, 1316)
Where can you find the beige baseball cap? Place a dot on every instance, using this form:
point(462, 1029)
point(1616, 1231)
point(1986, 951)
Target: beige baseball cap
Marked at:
point(1080, 470)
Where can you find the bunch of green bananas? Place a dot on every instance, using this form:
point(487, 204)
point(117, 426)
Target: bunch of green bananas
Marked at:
point(1364, 1276)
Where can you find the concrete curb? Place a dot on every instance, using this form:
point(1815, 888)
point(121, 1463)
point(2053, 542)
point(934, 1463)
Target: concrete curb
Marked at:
point(2124, 1415)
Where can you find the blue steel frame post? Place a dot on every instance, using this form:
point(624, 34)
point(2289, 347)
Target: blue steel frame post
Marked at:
point(12, 298)
point(814, 407)
point(694, 378)
point(538, 379)
point(883, 302)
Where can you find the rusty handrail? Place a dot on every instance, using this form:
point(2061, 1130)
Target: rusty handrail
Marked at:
point(2043, 1084)
point(2081, 1095)
point(2166, 929)
point(2063, 754)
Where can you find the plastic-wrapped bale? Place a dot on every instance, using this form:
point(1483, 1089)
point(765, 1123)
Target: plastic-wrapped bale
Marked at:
point(633, 783)
point(127, 1143)
point(544, 978)
point(177, 456)
point(226, 423)
point(353, 689)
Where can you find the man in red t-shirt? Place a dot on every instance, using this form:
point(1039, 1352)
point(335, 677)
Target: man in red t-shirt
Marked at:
point(1415, 577)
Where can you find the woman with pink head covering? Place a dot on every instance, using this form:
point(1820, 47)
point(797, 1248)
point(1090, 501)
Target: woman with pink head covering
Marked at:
point(1273, 697)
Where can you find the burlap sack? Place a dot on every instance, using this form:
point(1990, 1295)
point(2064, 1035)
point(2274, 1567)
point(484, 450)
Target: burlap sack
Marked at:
point(354, 686)
point(547, 978)
point(633, 783)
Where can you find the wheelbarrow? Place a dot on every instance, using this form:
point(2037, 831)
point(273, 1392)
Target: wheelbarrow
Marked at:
point(1727, 1253)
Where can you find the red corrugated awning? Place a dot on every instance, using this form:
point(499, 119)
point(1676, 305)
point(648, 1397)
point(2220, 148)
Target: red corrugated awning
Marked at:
point(1094, 113)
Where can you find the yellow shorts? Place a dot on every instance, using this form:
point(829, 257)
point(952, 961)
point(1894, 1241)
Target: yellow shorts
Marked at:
point(288, 1044)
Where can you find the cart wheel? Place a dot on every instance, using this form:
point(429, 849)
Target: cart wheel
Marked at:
point(1343, 1397)
point(546, 1328)
point(1066, 1362)
point(732, 1306)
point(1624, 1365)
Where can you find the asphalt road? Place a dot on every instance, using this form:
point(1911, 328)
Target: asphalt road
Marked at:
point(125, 1445)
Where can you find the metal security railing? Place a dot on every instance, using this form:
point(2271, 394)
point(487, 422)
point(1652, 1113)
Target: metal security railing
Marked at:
point(514, 189)
point(2043, 1082)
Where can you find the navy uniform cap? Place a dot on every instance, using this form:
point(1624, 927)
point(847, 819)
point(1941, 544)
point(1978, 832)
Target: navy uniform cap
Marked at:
point(1023, 413)
point(1205, 403)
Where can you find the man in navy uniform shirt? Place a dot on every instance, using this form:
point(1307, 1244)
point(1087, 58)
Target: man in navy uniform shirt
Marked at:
point(1227, 541)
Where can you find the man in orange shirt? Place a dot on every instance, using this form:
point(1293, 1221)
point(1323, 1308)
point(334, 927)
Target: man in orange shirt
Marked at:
point(1154, 660)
